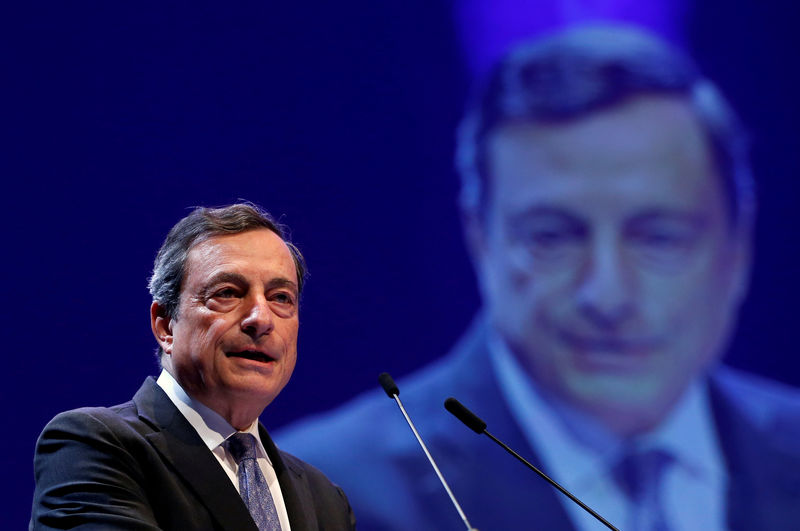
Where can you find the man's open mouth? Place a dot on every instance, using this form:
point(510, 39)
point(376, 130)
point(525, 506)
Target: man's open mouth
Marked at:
point(251, 355)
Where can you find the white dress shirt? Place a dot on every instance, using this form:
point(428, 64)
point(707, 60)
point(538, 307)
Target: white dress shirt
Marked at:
point(214, 430)
point(579, 453)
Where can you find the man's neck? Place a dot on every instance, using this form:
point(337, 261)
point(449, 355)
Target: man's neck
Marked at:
point(239, 413)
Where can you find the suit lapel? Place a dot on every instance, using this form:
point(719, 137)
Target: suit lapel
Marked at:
point(764, 475)
point(180, 445)
point(294, 488)
point(494, 474)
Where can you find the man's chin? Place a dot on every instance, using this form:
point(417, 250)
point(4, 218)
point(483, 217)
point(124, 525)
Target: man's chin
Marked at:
point(255, 386)
point(625, 406)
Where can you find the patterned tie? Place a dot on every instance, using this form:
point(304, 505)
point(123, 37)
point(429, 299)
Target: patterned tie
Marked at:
point(252, 485)
point(639, 474)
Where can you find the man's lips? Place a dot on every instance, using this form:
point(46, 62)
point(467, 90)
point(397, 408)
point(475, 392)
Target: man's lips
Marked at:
point(254, 355)
point(608, 344)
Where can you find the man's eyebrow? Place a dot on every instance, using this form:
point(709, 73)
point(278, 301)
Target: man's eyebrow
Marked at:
point(544, 212)
point(697, 219)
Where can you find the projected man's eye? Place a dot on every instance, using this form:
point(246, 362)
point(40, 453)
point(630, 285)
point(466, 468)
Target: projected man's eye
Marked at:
point(665, 244)
point(546, 238)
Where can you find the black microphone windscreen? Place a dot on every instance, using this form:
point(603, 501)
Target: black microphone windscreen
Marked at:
point(388, 384)
point(466, 416)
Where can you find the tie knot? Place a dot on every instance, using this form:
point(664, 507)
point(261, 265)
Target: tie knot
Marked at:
point(640, 471)
point(242, 446)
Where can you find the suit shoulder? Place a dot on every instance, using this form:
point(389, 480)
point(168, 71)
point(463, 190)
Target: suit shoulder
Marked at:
point(96, 434)
point(757, 394)
point(87, 464)
point(369, 413)
point(768, 405)
point(340, 426)
point(94, 420)
point(370, 430)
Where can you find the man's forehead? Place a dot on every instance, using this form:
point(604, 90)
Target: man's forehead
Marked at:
point(257, 250)
point(650, 146)
point(649, 121)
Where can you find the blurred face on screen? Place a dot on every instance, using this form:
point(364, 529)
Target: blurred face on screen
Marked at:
point(606, 259)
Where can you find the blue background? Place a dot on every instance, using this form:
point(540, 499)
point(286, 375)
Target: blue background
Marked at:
point(339, 120)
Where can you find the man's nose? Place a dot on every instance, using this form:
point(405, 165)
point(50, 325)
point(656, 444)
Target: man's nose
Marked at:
point(259, 319)
point(606, 285)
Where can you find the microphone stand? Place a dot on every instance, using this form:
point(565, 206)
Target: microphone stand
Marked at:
point(391, 389)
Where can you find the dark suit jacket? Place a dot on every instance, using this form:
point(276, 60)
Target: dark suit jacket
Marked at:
point(141, 465)
point(368, 448)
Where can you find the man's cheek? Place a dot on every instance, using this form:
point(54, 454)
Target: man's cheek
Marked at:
point(669, 300)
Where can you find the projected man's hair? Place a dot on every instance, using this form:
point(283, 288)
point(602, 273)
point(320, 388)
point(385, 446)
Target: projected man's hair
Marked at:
point(588, 69)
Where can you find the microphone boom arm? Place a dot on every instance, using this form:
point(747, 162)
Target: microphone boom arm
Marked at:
point(553, 482)
point(433, 464)
point(392, 391)
point(477, 425)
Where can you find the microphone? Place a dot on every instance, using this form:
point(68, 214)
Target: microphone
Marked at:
point(476, 424)
point(392, 391)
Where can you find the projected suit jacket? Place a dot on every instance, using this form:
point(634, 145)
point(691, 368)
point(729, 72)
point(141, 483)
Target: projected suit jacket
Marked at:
point(141, 465)
point(368, 449)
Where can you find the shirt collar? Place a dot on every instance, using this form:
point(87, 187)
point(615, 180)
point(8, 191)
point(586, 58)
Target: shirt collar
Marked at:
point(688, 434)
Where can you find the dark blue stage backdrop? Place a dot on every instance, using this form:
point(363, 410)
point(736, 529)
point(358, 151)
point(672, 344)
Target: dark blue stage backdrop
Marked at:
point(337, 119)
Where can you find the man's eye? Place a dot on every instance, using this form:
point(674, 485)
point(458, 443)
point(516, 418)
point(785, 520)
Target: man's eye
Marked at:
point(665, 250)
point(283, 298)
point(225, 293)
point(548, 238)
point(664, 240)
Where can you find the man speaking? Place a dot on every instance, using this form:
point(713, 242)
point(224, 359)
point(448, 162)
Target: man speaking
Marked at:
point(188, 451)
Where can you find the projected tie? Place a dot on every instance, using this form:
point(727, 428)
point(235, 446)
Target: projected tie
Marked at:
point(252, 485)
point(639, 474)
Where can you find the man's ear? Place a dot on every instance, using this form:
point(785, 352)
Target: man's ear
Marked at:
point(161, 325)
point(474, 223)
point(743, 258)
